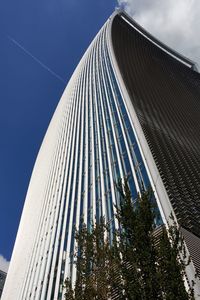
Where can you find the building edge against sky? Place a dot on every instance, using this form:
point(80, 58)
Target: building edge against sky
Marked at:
point(98, 134)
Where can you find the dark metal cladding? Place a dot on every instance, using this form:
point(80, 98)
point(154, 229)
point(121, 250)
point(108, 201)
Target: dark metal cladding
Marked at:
point(193, 243)
point(2, 281)
point(165, 94)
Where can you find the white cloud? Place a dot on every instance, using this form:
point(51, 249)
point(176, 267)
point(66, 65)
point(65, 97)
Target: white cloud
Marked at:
point(175, 22)
point(4, 264)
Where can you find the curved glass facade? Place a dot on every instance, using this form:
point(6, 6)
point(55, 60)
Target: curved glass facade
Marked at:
point(93, 140)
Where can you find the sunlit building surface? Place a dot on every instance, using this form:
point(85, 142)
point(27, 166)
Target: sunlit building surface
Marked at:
point(131, 108)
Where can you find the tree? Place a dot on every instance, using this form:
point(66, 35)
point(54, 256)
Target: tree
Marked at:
point(93, 262)
point(159, 268)
point(171, 264)
point(69, 293)
point(139, 262)
point(128, 262)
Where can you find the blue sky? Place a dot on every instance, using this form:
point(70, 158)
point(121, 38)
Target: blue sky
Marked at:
point(56, 33)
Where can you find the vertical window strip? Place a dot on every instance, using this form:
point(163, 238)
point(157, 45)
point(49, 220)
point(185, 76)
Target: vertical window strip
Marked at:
point(57, 245)
point(106, 152)
point(35, 272)
point(58, 276)
point(71, 184)
point(38, 237)
point(124, 149)
point(48, 280)
point(67, 175)
point(101, 199)
point(47, 260)
point(136, 156)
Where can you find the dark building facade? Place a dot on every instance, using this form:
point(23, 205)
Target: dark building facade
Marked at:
point(2, 281)
point(164, 89)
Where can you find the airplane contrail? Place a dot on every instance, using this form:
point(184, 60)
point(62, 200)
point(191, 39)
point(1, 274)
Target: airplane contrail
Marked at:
point(36, 59)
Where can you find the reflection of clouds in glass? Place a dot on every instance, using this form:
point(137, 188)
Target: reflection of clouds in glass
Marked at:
point(176, 23)
point(4, 264)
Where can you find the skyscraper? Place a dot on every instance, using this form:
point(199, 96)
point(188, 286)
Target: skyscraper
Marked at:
point(131, 108)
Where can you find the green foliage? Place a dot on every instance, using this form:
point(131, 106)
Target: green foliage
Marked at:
point(137, 245)
point(69, 293)
point(171, 264)
point(128, 262)
point(93, 263)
